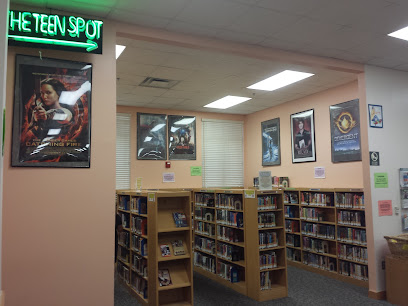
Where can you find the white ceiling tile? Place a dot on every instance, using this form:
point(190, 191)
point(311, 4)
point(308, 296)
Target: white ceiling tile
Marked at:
point(148, 91)
point(190, 28)
point(281, 44)
point(129, 67)
point(134, 98)
point(306, 30)
point(216, 13)
point(296, 7)
point(239, 37)
point(80, 8)
point(143, 56)
point(260, 21)
point(171, 73)
point(128, 79)
point(167, 101)
point(32, 3)
point(139, 19)
point(181, 94)
point(159, 8)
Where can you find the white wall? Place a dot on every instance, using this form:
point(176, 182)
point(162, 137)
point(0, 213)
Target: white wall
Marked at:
point(4, 5)
point(388, 88)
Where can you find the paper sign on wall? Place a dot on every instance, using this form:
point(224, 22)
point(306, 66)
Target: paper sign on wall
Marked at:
point(138, 183)
point(249, 194)
point(381, 180)
point(385, 208)
point(168, 177)
point(195, 170)
point(320, 172)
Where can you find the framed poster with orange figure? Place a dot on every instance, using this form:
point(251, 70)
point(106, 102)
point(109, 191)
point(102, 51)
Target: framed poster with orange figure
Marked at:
point(52, 113)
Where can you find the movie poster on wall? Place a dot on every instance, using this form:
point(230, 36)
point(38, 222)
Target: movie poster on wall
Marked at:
point(303, 136)
point(52, 113)
point(182, 137)
point(151, 136)
point(345, 131)
point(270, 142)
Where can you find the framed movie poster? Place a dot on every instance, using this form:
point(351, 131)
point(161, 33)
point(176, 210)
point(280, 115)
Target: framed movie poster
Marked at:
point(270, 142)
point(151, 136)
point(345, 131)
point(375, 114)
point(182, 137)
point(52, 113)
point(303, 136)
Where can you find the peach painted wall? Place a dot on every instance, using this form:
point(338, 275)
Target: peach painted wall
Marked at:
point(302, 174)
point(152, 170)
point(58, 224)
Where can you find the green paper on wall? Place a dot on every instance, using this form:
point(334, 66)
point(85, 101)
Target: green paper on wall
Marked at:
point(195, 170)
point(381, 180)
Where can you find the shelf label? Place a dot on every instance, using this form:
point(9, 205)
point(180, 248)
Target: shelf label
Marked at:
point(69, 33)
point(150, 197)
point(249, 194)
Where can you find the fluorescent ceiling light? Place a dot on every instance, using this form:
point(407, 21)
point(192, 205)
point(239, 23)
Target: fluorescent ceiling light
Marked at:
point(281, 79)
point(119, 50)
point(401, 34)
point(227, 102)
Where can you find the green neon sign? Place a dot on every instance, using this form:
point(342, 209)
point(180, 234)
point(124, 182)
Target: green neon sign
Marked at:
point(69, 33)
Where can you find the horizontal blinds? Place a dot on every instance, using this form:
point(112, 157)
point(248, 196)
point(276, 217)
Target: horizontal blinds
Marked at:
point(122, 151)
point(223, 157)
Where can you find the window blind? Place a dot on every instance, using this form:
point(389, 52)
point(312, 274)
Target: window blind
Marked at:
point(123, 151)
point(223, 153)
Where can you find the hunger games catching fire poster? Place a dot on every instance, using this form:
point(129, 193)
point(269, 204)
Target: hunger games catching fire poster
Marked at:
point(52, 107)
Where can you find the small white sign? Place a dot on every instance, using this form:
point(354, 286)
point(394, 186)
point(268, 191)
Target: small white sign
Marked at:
point(265, 180)
point(320, 172)
point(168, 177)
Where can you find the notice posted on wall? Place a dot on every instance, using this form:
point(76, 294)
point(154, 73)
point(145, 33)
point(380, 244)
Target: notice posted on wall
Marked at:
point(169, 177)
point(320, 172)
point(385, 208)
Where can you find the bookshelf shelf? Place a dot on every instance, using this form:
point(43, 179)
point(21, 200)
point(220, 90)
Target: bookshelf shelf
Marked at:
point(154, 217)
point(273, 269)
point(337, 207)
point(238, 263)
point(231, 226)
point(205, 221)
point(240, 244)
point(270, 228)
point(204, 235)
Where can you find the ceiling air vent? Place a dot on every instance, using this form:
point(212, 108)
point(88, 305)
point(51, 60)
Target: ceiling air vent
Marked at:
point(158, 83)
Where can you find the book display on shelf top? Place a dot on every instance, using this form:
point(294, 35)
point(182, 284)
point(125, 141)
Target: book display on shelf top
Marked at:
point(158, 265)
point(326, 232)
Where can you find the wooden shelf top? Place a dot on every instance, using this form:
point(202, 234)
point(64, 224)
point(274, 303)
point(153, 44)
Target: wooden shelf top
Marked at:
point(174, 229)
point(271, 249)
point(294, 233)
point(229, 209)
point(138, 274)
point(269, 228)
point(351, 190)
point(353, 226)
point(123, 261)
point(123, 210)
point(323, 254)
point(321, 222)
point(126, 229)
point(289, 218)
point(353, 243)
point(356, 209)
point(232, 226)
point(141, 296)
point(238, 263)
point(204, 251)
point(267, 192)
point(293, 247)
point(240, 244)
point(140, 235)
point(175, 286)
point(123, 246)
point(317, 190)
point(291, 204)
point(211, 222)
point(138, 253)
point(158, 193)
point(311, 236)
point(173, 257)
point(202, 206)
point(353, 261)
point(316, 206)
point(268, 210)
point(272, 269)
point(204, 235)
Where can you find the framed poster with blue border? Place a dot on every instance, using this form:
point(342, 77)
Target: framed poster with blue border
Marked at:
point(375, 116)
point(271, 155)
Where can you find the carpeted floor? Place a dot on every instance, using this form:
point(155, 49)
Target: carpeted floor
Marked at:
point(305, 288)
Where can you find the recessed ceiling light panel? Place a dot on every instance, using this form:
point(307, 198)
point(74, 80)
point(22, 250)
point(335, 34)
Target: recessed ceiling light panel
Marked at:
point(280, 80)
point(227, 101)
point(401, 34)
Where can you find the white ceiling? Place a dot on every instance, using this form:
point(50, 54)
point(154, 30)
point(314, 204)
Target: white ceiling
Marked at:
point(352, 30)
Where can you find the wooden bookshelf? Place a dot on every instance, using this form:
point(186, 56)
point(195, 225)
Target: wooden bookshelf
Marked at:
point(152, 222)
point(327, 219)
point(220, 226)
point(269, 280)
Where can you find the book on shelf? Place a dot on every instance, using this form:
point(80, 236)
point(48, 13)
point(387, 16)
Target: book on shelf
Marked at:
point(178, 247)
point(180, 219)
point(164, 277)
point(165, 250)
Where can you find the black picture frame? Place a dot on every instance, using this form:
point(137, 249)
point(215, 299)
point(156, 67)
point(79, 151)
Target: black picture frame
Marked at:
point(271, 152)
point(182, 137)
point(151, 136)
point(375, 116)
point(303, 136)
point(51, 113)
point(345, 131)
